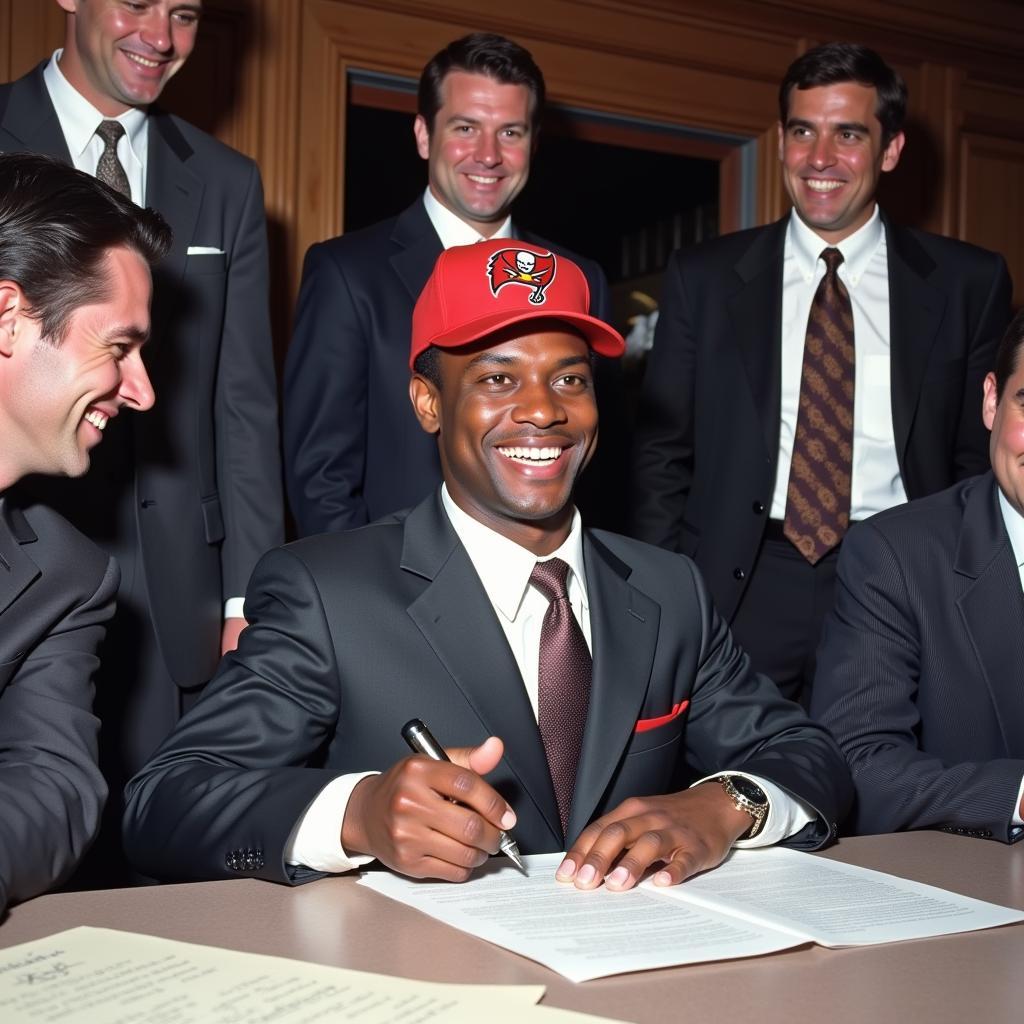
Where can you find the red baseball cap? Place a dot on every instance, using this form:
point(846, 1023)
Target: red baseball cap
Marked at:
point(475, 290)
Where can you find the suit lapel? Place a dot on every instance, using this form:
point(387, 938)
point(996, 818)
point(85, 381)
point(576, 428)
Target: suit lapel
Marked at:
point(419, 248)
point(992, 607)
point(624, 630)
point(755, 308)
point(916, 309)
point(31, 119)
point(17, 570)
point(455, 617)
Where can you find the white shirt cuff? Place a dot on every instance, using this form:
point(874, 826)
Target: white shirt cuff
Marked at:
point(1017, 821)
point(234, 608)
point(786, 814)
point(315, 841)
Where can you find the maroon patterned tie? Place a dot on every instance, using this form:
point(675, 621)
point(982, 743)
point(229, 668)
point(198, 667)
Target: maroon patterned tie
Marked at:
point(563, 683)
point(818, 496)
point(109, 169)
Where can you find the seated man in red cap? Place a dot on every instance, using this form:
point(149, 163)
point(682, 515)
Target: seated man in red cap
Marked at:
point(598, 701)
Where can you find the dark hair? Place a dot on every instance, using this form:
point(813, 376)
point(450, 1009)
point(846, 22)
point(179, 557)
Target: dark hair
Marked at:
point(428, 365)
point(56, 226)
point(834, 63)
point(1008, 354)
point(481, 53)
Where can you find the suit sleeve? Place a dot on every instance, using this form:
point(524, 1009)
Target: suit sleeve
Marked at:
point(224, 791)
point(865, 691)
point(325, 403)
point(664, 438)
point(970, 456)
point(245, 404)
point(738, 721)
point(51, 790)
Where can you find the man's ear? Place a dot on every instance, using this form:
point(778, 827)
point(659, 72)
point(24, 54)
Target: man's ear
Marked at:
point(989, 401)
point(426, 403)
point(422, 133)
point(12, 310)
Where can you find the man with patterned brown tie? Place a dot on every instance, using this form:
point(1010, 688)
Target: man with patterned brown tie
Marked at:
point(812, 372)
point(587, 675)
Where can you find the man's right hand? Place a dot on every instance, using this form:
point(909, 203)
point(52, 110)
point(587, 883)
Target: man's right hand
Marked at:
point(406, 819)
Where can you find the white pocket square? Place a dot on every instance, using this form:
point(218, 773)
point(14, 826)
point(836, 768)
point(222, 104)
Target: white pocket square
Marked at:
point(204, 250)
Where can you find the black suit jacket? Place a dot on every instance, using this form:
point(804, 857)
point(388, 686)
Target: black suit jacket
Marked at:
point(56, 592)
point(921, 666)
point(354, 450)
point(200, 473)
point(708, 437)
point(354, 633)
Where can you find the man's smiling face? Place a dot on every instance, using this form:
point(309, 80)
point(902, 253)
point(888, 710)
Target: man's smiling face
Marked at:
point(120, 54)
point(832, 156)
point(516, 421)
point(478, 151)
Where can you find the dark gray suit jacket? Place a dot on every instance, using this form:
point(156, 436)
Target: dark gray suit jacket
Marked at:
point(56, 592)
point(354, 633)
point(206, 490)
point(354, 450)
point(921, 666)
point(708, 437)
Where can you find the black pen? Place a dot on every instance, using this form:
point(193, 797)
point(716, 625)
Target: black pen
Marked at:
point(418, 736)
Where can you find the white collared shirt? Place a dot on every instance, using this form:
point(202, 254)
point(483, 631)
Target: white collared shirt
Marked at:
point(504, 568)
point(1014, 523)
point(876, 483)
point(453, 230)
point(79, 120)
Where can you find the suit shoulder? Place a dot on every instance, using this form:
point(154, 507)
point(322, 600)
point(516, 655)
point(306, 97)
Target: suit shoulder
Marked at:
point(643, 560)
point(353, 549)
point(353, 246)
point(61, 544)
point(219, 159)
point(950, 252)
point(585, 263)
point(923, 522)
point(725, 248)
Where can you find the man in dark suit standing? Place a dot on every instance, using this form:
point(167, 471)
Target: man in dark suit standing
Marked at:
point(189, 498)
point(921, 664)
point(582, 668)
point(74, 311)
point(353, 450)
point(756, 449)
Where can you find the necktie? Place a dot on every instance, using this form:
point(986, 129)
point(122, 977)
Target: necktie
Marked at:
point(563, 683)
point(109, 169)
point(818, 495)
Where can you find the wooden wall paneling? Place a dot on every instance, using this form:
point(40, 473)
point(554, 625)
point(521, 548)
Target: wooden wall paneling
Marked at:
point(35, 28)
point(992, 199)
point(5, 40)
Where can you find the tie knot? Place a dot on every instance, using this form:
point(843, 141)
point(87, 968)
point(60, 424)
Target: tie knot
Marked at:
point(832, 257)
point(549, 578)
point(110, 132)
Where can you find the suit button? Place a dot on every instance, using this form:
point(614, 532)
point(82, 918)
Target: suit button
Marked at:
point(738, 574)
point(758, 508)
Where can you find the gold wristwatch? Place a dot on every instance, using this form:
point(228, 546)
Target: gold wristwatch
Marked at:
point(746, 796)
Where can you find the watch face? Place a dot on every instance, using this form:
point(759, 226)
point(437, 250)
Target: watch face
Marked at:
point(751, 790)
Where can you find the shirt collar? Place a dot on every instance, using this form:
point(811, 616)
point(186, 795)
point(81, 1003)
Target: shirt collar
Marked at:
point(1014, 522)
point(858, 249)
point(453, 230)
point(503, 566)
point(79, 119)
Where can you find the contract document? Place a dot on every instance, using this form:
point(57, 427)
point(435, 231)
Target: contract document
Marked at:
point(757, 901)
point(103, 976)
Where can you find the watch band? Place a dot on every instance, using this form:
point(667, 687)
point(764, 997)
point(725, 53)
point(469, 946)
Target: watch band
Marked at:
point(758, 810)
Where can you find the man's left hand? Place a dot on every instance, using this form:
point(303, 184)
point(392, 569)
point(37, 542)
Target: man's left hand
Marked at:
point(689, 832)
point(230, 633)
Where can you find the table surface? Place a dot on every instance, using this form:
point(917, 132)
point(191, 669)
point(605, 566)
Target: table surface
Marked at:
point(335, 921)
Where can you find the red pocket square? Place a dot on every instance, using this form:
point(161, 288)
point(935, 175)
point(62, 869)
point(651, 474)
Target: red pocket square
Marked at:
point(646, 724)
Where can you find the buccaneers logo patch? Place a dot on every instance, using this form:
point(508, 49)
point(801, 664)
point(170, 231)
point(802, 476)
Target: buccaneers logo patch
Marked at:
point(519, 266)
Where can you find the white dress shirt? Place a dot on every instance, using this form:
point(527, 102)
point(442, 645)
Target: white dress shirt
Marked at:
point(504, 568)
point(875, 484)
point(79, 120)
point(1014, 523)
point(453, 230)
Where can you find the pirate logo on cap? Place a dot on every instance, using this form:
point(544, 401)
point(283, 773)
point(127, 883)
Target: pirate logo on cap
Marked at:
point(520, 266)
